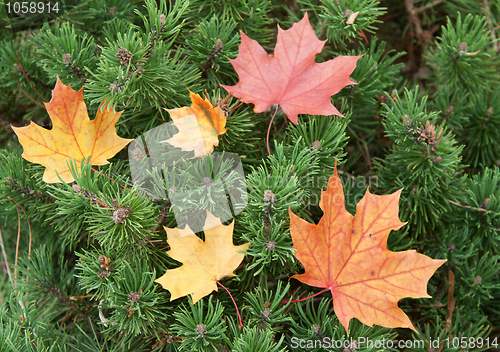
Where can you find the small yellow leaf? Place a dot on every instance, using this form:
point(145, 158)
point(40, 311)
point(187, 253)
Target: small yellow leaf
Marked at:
point(204, 263)
point(199, 126)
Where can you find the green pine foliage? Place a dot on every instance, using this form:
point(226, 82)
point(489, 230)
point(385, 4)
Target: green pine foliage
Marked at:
point(79, 261)
point(465, 55)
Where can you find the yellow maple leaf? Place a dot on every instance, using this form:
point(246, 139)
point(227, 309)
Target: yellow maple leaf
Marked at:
point(204, 263)
point(199, 126)
point(73, 135)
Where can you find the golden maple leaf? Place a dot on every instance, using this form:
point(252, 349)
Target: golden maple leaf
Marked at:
point(204, 263)
point(199, 126)
point(73, 135)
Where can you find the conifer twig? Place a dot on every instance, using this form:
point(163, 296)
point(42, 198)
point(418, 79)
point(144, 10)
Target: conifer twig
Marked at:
point(428, 6)
point(487, 14)
point(29, 228)
point(473, 208)
point(5, 257)
point(27, 78)
point(161, 217)
point(450, 308)
point(413, 17)
point(29, 97)
point(451, 301)
point(19, 234)
point(2, 124)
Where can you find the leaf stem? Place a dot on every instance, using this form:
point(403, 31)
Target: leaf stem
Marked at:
point(306, 298)
point(100, 173)
point(269, 129)
point(237, 311)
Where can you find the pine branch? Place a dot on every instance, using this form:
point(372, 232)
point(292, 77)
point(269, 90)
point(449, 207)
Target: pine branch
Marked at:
point(161, 217)
point(7, 266)
point(486, 211)
point(49, 287)
point(28, 192)
point(429, 5)
point(491, 27)
point(413, 17)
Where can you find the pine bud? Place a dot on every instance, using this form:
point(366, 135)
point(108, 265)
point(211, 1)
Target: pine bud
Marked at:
point(104, 262)
point(478, 279)
point(201, 329)
point(462, 48)
point(270, 246)
point(207, 182)
point(484, 204)
point(218, 44)
point(269, 197)
point(114, 87)
point(394, 95)
point(265, 314)
point(347, 13)
point(407, 119)
point(489, 112)
point(103, 275)
point(437, 159)
point(383, 99)
point(123, 55)
point(448, 112)
point(120, 214)
point(352, 347)
point(67, 59)
point(134, 297)
point(140, 70)
point(76, 189)
point(163, 19)
point(317, 329)
point(315, 145)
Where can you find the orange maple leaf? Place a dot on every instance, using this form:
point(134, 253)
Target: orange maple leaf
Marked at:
point(348, 255)
point(199, 126)
point(204, 263)
point(73, 135)
point(290, 77)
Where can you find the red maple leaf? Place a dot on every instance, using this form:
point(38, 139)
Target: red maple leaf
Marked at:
point(290, 77)
point(348, 256)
